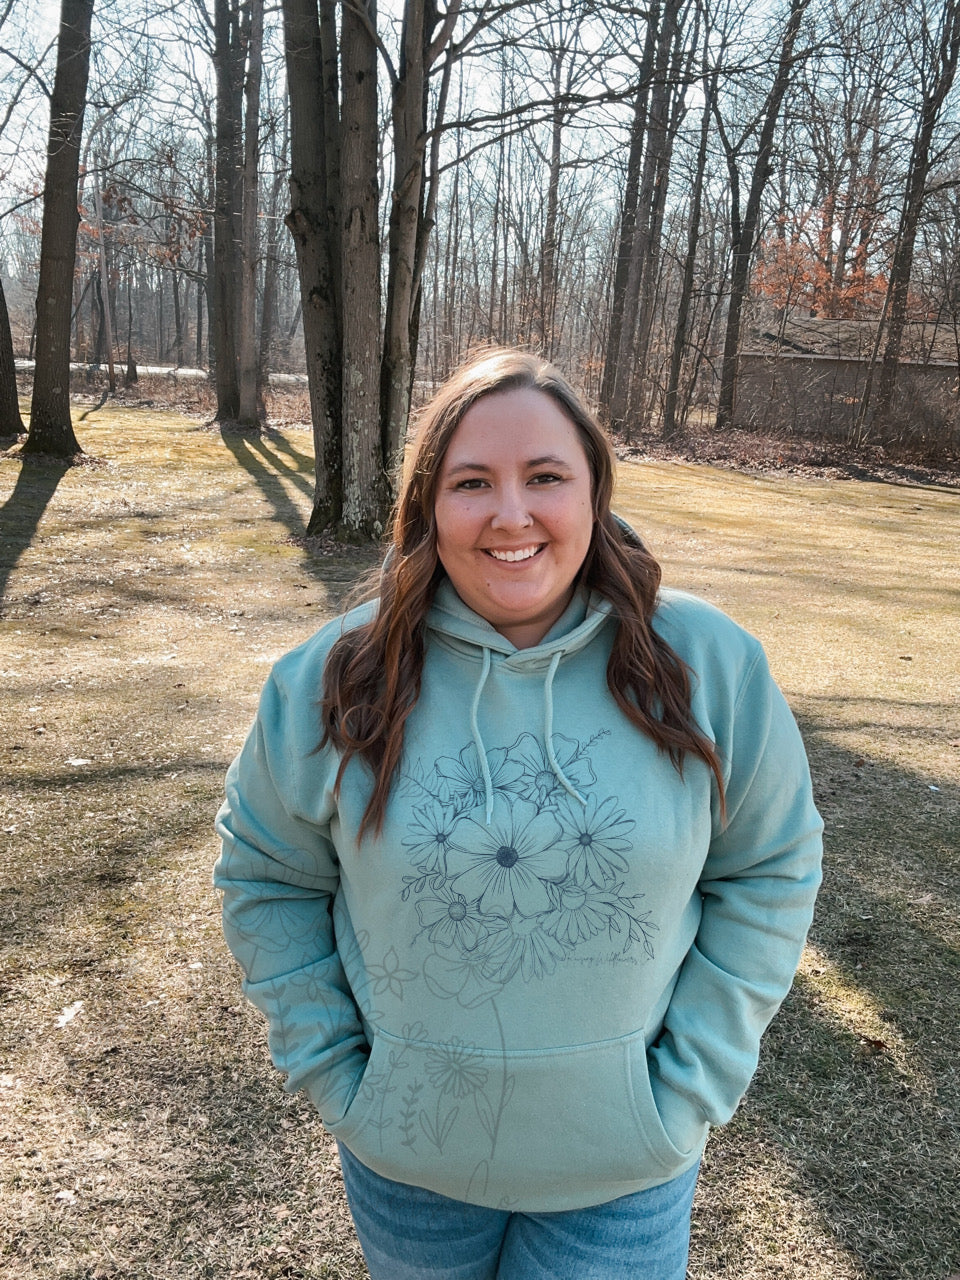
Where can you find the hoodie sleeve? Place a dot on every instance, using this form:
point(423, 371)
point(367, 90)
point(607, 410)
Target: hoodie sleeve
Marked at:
point(758, 887)
point(278, 873)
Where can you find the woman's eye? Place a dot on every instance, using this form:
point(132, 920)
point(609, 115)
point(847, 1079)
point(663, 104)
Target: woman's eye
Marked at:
point(474, 482)
point(545, 477)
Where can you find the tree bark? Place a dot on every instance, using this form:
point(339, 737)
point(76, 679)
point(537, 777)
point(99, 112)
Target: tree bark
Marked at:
point(51, 429)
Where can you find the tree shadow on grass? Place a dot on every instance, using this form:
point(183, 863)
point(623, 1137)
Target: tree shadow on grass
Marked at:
point(272, 473)
point(261, 455)
point(858, 1086)
point(23, 510)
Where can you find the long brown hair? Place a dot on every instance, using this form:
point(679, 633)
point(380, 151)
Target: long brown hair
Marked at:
point(372, 676)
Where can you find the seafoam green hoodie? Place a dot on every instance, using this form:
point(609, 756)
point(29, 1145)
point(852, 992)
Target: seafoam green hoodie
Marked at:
point(549, 973)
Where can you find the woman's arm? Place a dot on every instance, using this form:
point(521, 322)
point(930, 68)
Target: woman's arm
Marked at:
point(758, 886)
point(278, 873)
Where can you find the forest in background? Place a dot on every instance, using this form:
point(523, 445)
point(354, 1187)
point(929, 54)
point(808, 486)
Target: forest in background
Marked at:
point(640, 192)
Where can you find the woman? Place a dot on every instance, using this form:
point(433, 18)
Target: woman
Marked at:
point(518, 861)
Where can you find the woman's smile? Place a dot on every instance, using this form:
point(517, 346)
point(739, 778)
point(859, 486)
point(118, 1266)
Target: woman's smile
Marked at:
point(511, 557)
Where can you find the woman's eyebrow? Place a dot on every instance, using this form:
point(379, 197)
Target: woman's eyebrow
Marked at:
point(548, 460)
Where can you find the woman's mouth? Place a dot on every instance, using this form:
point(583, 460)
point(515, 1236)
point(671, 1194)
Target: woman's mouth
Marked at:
point(522, 553)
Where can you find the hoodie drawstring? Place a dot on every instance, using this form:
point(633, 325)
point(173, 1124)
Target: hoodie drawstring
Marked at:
point(477, 740)
point(547, 732)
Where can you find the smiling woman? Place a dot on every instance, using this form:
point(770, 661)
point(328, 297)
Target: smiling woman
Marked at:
point(563, 816)
point(513, 512)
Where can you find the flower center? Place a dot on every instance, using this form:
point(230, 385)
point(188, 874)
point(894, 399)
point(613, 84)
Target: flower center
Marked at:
point(586, 839)
point(507, 856)
point(457, 911)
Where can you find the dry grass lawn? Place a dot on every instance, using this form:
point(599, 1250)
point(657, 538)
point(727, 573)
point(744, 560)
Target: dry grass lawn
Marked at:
point(143, 1132)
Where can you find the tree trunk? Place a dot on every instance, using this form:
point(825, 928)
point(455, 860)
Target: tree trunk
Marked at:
point(228, 59)
point(363, 471)
point(310, 48)
point(411, 218)
point(663, 135)
point(11, 423)
point(250, 405)
point(641, 266)
point(943, 76)
point(268, 313)
point(613, 375)
point(406, 210)
point(51, 430)
point(670, 425)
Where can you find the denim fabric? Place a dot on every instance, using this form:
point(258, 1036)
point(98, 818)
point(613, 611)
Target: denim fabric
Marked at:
point(408, 1233)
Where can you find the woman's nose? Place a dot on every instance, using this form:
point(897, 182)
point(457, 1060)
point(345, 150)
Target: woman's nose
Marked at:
point(512, 510)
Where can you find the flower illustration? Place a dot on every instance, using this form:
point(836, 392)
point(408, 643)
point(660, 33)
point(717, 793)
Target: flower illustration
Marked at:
point(450, 920)
point(456, 1068)
point(539, 782)
point(595, 837)
point(583, 913)
point(506, 866)
point(273, 924)
point(429, 837)
point(523, 946)
point(389, 976)
point(461, 978)
point(465, 775)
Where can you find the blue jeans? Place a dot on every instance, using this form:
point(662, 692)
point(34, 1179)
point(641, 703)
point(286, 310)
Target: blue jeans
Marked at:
point(408, 1233)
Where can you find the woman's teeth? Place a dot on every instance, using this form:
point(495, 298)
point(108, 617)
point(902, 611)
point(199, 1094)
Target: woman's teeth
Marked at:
point(523, 554)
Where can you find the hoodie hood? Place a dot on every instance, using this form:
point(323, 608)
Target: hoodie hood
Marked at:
point(451, 624)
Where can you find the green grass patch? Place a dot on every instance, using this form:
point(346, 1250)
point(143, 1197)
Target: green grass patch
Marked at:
point(143, 1132)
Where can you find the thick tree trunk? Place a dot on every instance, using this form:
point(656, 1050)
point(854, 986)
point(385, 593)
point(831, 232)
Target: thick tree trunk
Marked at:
point(310, 46)
point(364, 488)
point(51, 430)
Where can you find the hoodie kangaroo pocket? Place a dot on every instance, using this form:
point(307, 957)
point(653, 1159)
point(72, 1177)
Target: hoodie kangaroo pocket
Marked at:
point(540, 1130)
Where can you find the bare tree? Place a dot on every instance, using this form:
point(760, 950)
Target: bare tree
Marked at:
point(51, 428)
point(937, 36)
point(250, 409)
point(360, 365)
point(744, 218)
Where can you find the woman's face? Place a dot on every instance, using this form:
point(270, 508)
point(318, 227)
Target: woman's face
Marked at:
point(514, 512)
